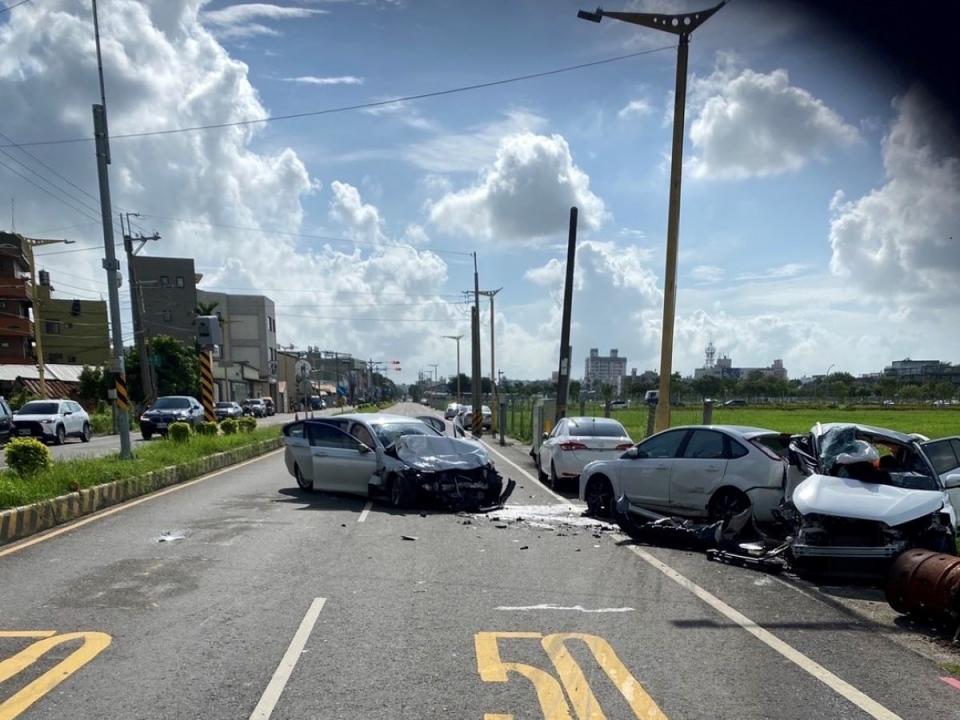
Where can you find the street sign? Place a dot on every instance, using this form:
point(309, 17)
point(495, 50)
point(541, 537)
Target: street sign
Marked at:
point(302, 368)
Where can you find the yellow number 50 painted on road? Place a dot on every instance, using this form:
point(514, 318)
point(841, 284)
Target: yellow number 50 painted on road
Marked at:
point(93, 644)
point(549, 691)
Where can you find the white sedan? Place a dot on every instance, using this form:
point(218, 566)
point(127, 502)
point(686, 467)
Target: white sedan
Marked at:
point(711, 471)
point(577, 441)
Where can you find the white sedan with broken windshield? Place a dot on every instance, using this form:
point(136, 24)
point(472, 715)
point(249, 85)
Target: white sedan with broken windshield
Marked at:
point(576, 441)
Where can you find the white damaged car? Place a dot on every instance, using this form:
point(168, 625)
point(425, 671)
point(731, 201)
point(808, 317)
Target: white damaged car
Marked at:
point(869, 494)
point(407, 460)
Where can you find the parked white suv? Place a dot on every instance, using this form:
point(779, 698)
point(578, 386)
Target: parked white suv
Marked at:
point(52, 420)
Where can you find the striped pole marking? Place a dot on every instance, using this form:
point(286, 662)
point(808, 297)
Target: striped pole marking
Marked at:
point(206, 385)
point(123, 398)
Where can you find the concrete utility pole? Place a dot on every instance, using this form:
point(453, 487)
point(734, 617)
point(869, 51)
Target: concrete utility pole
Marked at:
point(458, 338)
point(110, 263)
point(493, 353)
point(477, 399)
point(563, 374)
point(681, 25)
point(136, 308)
point(29, 244)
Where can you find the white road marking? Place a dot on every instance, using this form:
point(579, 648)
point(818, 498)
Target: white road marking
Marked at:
point(365, 511)
point(574, 608)
point(526, 474)
point(270, 697)
point(841, 687)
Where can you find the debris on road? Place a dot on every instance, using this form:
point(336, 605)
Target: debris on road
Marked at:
point(569, 608)
point(408, 537)
point(171, 536)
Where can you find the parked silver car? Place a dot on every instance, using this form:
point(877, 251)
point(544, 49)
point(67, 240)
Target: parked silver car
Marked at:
point(52, 421)
point(711, 471)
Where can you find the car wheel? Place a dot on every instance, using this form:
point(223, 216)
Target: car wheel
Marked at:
point(554, 478)
point(85, 434)
point(146, 434)
point(401, 495)
point(540, 473)
point(302, 482)
point(61, 436)
point(599, 496)
point(727, 503)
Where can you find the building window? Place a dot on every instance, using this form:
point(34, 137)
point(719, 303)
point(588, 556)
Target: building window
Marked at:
point(179, 281)
point(3, 303)
point(164, 281)
point(167, 316)
point(72, 359)
point(53, 327)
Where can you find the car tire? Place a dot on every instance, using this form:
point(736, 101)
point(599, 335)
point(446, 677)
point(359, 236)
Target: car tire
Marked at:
point(540, 473)
point(85, 434)
point(146, 435)
point(726, 503)
point(401, 494)
point(61, 437)
point(302, 482)
point(554, 478)
point(599, 496)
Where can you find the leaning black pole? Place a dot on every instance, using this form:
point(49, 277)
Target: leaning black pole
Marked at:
point(563, 376)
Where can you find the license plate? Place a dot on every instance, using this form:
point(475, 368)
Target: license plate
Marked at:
point(161, 426)
point(23, 432)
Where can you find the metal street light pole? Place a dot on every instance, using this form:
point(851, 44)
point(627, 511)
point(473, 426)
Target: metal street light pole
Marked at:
point(681, 25)
point(458, 338)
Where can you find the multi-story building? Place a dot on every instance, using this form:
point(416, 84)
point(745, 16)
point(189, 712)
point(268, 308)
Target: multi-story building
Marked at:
point(920, 372)
point(168, 292)
point(600, 370)
point(249, 329)
point(16, 327)
point(723, 367)
point(72, 331)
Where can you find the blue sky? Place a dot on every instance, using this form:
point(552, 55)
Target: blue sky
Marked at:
point(783, 113)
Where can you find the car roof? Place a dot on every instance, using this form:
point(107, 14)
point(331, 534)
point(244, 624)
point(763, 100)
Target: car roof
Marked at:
point(884, 433)
point(584, 418)
point(744, 431)
point(371, 418)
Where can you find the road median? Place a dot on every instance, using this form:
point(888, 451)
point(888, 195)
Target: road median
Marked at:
point(156, 467)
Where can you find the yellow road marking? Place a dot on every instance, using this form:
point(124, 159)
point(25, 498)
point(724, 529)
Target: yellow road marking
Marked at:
point(549, 692)
point(93, 644)
point(23, 545)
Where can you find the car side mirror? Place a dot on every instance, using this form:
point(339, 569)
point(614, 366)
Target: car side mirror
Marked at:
point(546, 436)
point(363, 449)
point(952, 481)
point(634, 454)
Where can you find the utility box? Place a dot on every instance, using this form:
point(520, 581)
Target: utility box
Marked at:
point(208, 330)
point(544, 411)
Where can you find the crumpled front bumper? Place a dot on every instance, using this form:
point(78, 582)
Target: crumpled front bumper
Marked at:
point(892, 550)
point(463, 490)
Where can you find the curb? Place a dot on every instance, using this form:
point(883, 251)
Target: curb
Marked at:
point(20, 522)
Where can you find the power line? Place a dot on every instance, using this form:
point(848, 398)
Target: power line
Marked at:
point(8, 8)
point(359, 106)
point(85, 212)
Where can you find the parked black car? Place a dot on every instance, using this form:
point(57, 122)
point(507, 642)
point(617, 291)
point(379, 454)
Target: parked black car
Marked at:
point(6, 420)
point(169, 409)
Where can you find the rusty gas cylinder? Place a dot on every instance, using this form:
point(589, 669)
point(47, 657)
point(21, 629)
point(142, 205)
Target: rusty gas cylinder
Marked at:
point(924, 582)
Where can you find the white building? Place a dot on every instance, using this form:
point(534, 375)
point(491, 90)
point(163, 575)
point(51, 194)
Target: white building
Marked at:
point(602, 370)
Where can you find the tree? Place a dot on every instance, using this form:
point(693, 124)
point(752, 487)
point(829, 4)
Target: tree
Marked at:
point(178, 371)
point(94, 382)
point(946, 390)
point(574, 389)
point(887, 387)
point(910, 392)
point(606, 392)
point(708, 386)
point(206, 308)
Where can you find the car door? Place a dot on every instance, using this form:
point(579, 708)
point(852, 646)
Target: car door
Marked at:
point(699, 470)
point(340, 462)
point(645, 480)
point(297, 451)
point(944, 455)
point(76, 417)
point(6, 420)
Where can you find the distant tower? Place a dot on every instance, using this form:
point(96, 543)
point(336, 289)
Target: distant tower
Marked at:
point(711, 353)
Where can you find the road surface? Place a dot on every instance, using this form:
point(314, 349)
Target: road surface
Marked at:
point(239, 596)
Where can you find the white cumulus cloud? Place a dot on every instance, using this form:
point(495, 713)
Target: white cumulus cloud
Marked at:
point(333, 80)
point(751, 124)
point(241, 20)
point(362, 220)
point(525, 195)
point(636, 108)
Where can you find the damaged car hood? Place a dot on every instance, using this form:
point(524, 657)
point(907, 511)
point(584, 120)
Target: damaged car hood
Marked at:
point(845, 497)
point(436, 453)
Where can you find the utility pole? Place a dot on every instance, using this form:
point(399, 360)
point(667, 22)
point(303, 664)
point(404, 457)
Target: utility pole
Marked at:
point(681, 25)
point(436, 378)
point(563, 374)
point(458, 338)
point(475, 330)
point(493, 357)
point(136, 308)
point(110, 263)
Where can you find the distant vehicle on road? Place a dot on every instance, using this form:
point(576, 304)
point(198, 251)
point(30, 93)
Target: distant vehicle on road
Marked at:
point(651, 397)
point(486, 422)
point(577, 441)
point(254, 407)
point(224, 410)
point(618, 404)
point(169, 409)
point(735, 403)
point(268, 403)
point(6, 420)
point(52, 421)
point(712, 471)
point(451, 412)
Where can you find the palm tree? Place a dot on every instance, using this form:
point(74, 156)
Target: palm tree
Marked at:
point(205, 308)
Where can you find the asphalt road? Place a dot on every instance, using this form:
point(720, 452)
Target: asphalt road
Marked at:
point(276, 603)
point(106, 444)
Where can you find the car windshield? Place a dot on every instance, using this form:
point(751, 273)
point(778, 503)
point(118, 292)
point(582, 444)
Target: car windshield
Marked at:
point(224, 405)
point(898, 465)
point(39, 408)
point(171, 403)
point(387, 433)
point(597, 428)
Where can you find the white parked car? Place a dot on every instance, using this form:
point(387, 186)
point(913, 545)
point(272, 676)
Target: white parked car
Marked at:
point(451, 412)
point(486, 422)
point(52, 421)
point(577, 441)
point(711, 471)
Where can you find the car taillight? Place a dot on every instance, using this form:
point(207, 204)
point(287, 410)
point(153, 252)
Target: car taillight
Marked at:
point(624, 446)
point(766, 451)
point(572, 445)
